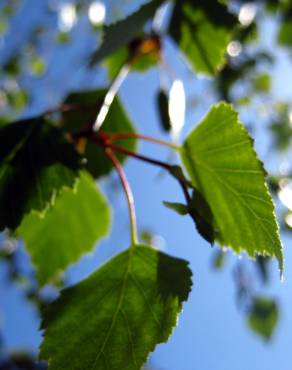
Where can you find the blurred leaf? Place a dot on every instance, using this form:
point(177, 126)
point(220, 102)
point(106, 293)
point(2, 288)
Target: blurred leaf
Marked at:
point(17, 99)
point(38, 66)
point(218, 259)
point(35, 163)
point(79, 218)
point(126, 308)
point(281, 127)
point(285, 33)
point(220, 159)
point(63, 37)
point(146, 51)
point(162, 108)
point(262, 83)
point(124, 31)
point(12, 67)
point(244, 101)
point(263, 317)
point(262, 264)
point(3, 26)
point(116, 121)
point(202, 31)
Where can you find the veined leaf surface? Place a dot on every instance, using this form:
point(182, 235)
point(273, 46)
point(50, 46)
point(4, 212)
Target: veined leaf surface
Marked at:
point(114, 318)
point(219, 157)
point(68, 229)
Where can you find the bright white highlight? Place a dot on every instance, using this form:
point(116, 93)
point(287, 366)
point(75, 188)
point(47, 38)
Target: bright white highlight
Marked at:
point(67, 17)
point(177, 107)
point(97, 13)
point(290, 118)
point(285, 194)
point(247, 14)
point(234, 48)
point(110, 95)
point(288, 219)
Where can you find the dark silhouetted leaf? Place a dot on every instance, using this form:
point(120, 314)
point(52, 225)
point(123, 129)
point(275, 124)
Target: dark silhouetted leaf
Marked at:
point(68, 229)
point(262, 264)
point(201, 213)
point(117, 316)
point(124, 31)
point(162, 108)
point(35, 163)
point(116, 121)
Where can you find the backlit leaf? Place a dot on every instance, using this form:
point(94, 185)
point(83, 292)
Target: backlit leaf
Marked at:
point(68, 229)
point(220, 159)
point(117, 316)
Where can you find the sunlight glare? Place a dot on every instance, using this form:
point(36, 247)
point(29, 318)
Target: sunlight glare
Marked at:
point(67, 17)
point(247, 14)
point(177, 107)
point(97, 13)
point(234, 48)
point(285, 194)
point(288, 219)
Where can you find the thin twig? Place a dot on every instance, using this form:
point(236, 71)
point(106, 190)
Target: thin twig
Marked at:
point(120, 149)
point(132, 135)
point(128, 193)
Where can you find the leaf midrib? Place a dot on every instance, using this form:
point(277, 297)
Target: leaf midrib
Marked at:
point(118, 309)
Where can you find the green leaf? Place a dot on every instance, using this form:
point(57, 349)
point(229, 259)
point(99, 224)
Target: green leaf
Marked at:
point(71, 228)
point(116, 121)
point(35, 163)
point(179, 208)
point(218, 259)
point(200, 212)
point(262, 83)
point(202, 31)
point(141, 63)
point(122, 32)
point(17, 99)
point(114, 318)
point(220, 159)
point(37, 65)
point(263, 317)
point(285, 33)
